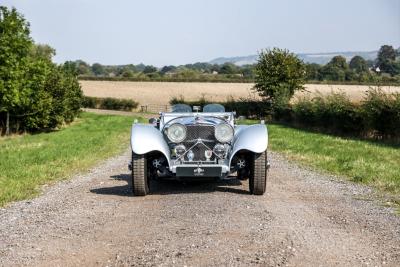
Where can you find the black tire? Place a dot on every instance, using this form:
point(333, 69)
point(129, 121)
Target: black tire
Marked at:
point(140, 185)
point(258, 173)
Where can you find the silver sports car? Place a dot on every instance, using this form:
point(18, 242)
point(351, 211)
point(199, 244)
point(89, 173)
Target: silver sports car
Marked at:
point(188, 143)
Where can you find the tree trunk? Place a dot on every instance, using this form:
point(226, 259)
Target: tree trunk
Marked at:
point(8, 124)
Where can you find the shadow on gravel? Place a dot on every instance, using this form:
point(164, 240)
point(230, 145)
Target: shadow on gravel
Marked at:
point(167, 187)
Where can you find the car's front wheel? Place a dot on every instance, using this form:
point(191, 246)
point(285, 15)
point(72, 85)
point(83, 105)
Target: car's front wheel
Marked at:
point(258, 173)
point(140, 185)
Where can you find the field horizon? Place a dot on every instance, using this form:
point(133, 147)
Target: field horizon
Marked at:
point(160, 93)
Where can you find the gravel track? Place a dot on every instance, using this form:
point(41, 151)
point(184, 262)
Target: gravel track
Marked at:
point(304, 219)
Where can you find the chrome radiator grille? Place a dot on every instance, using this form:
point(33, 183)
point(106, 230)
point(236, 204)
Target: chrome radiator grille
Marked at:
point(206, 134)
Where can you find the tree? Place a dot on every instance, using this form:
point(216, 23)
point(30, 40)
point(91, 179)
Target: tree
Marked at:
point(358, 64)
point(338, 62)
point(278, 75)
point(15, 45)
point(149, 69)
point(98, 69)
point(34, 92)
point(386, 60)
point(313, 71)
point(167, 69)
point(335, 70)
point(42, 51)
point(229, 68)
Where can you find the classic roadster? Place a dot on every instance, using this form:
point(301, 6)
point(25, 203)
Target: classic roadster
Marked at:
point(188, 143)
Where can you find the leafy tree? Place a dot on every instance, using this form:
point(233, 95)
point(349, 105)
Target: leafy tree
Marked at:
point(338, 62)
point(386, 60)
point(358, 64)
point(313, 71)
point(149, 69)
point(98, 69)
point(34, 92)
point(127, 73)
point(83, 68)
point(166, 69)
point(42, 51)
point(278, 75)
point(247, 71)
point(229, 68)
point(336, 69)
point(15, 44)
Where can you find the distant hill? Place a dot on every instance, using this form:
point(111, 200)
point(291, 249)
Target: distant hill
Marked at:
point(319, 58)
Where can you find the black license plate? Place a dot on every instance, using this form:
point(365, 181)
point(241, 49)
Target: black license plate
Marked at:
point(199, 171)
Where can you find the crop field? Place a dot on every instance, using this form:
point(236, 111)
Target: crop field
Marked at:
point(160, 93)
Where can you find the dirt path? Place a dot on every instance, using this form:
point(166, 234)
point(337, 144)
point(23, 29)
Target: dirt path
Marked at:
point(305, 219)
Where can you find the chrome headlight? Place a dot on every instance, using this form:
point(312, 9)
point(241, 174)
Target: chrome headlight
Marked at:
point(176, 132)
point(223, 132)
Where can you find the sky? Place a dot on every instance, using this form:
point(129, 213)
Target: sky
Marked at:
point(173, 32)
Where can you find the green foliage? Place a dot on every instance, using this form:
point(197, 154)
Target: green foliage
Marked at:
point(97, 69)
point(15, 45)
point(334, 112)
point(229, 68)
point(358, 64)
point(279, 74)
point(386, 60)
point(377, 116)
point(42, 51)
point(109, 103)
point(35, 94)
point(382, 113)
point(149, 69)
point(313, 72)
point(338, 62)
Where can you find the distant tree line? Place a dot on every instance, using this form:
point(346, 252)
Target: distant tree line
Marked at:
point(386, 68)
point(35, 93)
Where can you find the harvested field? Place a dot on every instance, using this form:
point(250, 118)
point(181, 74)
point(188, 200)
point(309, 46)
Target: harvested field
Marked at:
point(159, 93)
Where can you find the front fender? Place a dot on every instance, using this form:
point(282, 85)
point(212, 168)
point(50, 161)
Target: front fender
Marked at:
point(253, 138)
point(146, 138)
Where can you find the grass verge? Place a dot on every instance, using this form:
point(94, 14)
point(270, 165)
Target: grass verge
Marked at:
point(29, 161)
point(371, 163)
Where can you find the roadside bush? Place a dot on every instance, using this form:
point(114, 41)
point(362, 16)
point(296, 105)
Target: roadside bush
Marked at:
point(109, 103)
point(334, 112)
point(377, 116)
point(382, 113)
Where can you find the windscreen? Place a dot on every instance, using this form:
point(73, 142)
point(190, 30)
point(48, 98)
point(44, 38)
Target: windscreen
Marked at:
point(179, 108)
point(213, 108)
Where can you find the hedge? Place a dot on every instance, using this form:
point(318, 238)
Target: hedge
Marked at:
point(376, 116)
point(109, 103)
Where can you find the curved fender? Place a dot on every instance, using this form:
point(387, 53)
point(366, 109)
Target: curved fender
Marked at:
point(253, 138)
point(146, 138)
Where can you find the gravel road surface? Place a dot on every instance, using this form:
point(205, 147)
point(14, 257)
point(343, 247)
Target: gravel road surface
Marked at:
point(305, 219)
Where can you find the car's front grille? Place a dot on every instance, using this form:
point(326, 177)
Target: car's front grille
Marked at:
point(204, 132)
point(208, 141)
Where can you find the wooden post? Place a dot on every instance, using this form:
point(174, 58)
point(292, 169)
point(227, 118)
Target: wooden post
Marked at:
point(8, 124)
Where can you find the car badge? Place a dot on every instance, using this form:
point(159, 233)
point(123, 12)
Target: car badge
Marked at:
point(198, 171)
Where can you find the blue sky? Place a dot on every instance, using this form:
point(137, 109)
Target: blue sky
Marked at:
point(182, 31)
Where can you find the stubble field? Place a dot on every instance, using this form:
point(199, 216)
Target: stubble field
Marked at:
point(160, 93)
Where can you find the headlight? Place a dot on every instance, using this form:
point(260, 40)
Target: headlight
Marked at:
point(176, 133)
point(223, 132)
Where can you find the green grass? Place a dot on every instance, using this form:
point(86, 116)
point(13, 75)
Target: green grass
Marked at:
point(371, 163)
point(28, 161)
